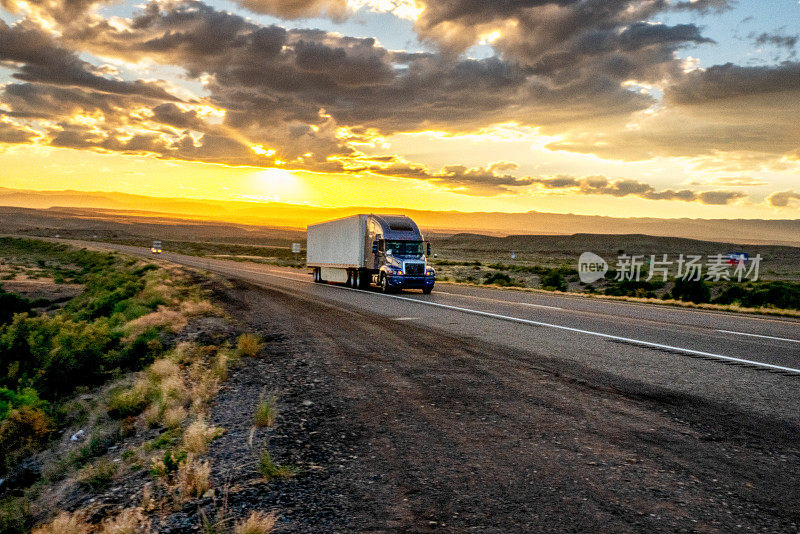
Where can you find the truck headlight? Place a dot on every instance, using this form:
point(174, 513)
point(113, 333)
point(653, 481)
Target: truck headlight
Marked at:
point(429, 272)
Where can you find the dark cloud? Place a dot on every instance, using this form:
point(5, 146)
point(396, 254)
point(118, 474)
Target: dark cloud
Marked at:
point(783, 198)
point(601, 185)
point(38, 59)
point(14, 134)
point(777, 39)
point(730, 81)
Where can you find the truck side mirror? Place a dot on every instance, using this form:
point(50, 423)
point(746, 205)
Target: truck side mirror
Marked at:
point(374, 247)
point(429, 249)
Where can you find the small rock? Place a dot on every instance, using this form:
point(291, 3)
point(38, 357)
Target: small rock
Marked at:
point(80, 435)
point(307, 402)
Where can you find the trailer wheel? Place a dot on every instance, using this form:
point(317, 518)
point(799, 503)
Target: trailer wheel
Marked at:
point(356, 279)
point(318, 275)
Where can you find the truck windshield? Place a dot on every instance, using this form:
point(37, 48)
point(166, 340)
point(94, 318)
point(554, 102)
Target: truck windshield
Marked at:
point(404, 248)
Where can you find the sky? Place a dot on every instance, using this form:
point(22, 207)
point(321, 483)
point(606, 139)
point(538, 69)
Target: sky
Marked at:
point(664, 108)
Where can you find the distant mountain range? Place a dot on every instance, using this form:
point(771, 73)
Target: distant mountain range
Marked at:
point(119, 206)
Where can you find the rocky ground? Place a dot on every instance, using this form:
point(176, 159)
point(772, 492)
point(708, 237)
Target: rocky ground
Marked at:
point(395, 427)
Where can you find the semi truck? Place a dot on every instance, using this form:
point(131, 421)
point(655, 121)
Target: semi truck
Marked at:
point(385, 250)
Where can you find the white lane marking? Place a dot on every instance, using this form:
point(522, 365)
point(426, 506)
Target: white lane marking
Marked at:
point(759, 335)
point(512, 302)
point(590, 333)
point(558, 326)
point(405, 318)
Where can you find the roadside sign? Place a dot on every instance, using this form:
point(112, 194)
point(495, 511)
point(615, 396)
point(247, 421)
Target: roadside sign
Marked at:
point(295, 248)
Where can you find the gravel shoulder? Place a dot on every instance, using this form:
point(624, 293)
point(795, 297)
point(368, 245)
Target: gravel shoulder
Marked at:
point(396, 427)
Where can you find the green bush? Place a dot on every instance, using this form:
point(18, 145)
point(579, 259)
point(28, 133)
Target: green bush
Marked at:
point(10, 399)
point(500, 279)
point(22, 432)
point(554, 281)
point(784, 295)
point(696, 291)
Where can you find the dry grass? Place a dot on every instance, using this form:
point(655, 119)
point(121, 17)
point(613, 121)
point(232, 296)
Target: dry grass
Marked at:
point(220, 365)
point(249, 345)
point(65, 523)
point(174, 417)
point(193, 478)
point(198, 308)
point(187, 352)
point(161, 369)
point(162, 318)
point(256, 523)
point(198, 435)
point(266, 412)
point(129, 521)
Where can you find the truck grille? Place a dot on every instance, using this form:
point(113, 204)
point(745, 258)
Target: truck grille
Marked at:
point(415, 269)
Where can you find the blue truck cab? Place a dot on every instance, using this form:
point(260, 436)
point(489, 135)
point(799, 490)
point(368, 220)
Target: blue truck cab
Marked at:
point(399, 254)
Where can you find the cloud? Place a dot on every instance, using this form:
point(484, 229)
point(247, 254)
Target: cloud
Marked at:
point(38, 59)
point(782, 199)
point(777, 39)
point(11, 133)
point(724, 82)
point(601, 185)
point(305, 98)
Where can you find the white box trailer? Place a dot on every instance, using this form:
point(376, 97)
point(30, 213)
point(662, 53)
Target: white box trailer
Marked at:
point(336, 246)
point(384, 249)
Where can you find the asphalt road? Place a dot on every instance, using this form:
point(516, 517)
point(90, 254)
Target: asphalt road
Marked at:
point(738, 361)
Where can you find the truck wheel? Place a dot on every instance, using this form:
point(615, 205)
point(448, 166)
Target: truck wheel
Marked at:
point(385, 284)
point(356, 280)
point(427, 290)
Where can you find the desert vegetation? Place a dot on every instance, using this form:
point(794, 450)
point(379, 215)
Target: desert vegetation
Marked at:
point(101, 387)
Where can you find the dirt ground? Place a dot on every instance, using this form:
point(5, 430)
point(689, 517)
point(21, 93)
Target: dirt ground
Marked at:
point(394, 427)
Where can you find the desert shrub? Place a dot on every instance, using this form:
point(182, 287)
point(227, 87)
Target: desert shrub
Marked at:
point(256, 523)
point(696, 291)
point(15, 515)
point(633, 288)
point(785, 295)
point(11, 304)
point(553, 281)
point(269, 469)
point(10, 399)
point(23, 431)
point(249, 345)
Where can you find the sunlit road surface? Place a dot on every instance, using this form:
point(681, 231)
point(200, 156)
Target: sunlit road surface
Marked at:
point(746, 361)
